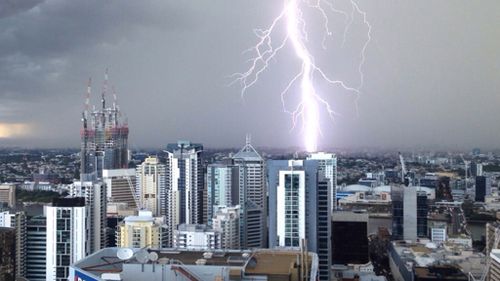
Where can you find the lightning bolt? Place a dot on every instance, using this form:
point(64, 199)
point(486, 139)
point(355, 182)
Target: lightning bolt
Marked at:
point(308, 109)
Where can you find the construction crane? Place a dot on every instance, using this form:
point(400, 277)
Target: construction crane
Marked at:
point(484, 273)
point(466, 168)
point(134, 194)
point(404, 174)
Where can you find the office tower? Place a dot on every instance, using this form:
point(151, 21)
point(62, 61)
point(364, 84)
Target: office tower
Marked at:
point(142, 231)
point(350, 238)
point(95, 200)
point(227, 221)
point(36, 252)
point(185, 184)
point(7, 253)
point(121, 186)
point(104, 137)
point(151, 186)
point(476, 169)
point(18, 222)
point(196, 236)
point(66, 236)
point(8, 194)
point(251, 197)
point(409, 213)
point(483, 188)
point(222, 187)
point(328, 163)
point(299, 208)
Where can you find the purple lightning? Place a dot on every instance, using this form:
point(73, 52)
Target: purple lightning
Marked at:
point(308, 109)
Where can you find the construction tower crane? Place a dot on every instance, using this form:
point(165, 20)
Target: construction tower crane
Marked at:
point(404, 174)
point(466, 168)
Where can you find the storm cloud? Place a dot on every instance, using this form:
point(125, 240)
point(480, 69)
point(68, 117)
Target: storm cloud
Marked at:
point(431, 72)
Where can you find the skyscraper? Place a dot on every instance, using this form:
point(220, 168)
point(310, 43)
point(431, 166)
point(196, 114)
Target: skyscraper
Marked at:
point(409, 213)
point(121, 186)
point(151, 186)
point(185, 184)
point(251, 196)
point(328, 163)
point(226, 221)
point(222, 188)
point(104, 137)
point(299, 208)
point(36, 249)
point(94, 194)
point(7, 253)
point(66, 236)
point(17, 221)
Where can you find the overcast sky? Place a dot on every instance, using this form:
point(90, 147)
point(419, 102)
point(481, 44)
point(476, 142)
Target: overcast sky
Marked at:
point(431, 72)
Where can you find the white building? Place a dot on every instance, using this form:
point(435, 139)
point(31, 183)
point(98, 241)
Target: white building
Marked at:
point(227, 220)
point(151, 187)
point(66, 236)
point(196, 236)
point(95, 200)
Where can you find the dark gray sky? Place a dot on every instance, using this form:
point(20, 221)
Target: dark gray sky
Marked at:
point(431, 72)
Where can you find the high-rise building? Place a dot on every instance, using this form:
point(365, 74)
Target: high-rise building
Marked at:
point(142, 231)
point(222, 187)
point(104, 138)
point(95, 200)
point(196, 236)
point(151, 186)
point(185, 184)
point(328, 163)
point(409, 213)
point(483, 188)
point(36, 252)
point(227, 221)
point(476, 169)
point(8, 194)
point(300, 208)
point(121, 186)
point(251, 196)
point(17, 221)
point(66, 236)
point(7, 253)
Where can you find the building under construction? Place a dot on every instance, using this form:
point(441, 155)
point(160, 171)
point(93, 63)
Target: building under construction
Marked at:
point(104, 137)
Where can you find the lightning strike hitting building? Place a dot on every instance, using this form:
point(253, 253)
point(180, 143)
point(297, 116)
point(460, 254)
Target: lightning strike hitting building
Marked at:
point(292, 16)
point(104, 137)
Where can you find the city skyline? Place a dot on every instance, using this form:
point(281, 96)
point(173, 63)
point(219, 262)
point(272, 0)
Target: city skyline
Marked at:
point(429, 74)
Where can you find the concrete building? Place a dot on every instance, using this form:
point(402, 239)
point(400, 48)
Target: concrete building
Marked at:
point(151, 186)
point(251, 196)
point(227, 221)
point(299, 208)
point(141, 231)
point(178, 264)
point(66, 236)
point(8, 194)
point(36, 252)
point(197, 237)
point(185, 184)
point(121, 186)
point(494, 270)
point(95, 201)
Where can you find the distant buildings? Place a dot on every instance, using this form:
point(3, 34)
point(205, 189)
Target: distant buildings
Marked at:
point(142, 231)
point(8, 194)
point(66, 236)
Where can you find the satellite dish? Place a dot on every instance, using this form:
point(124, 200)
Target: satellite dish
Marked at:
point(153, 256)
point(124, 253)
point(142, 256)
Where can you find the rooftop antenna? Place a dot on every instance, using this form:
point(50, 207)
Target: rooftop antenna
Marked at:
point(249, 139)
